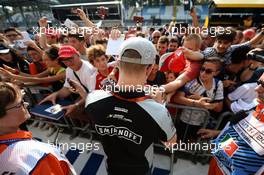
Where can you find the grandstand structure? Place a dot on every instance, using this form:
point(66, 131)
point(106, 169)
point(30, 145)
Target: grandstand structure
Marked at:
point(23, 13)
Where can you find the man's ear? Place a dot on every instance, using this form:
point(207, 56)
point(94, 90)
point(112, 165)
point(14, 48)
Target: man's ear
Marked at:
point(149, 69)
point(118, 63)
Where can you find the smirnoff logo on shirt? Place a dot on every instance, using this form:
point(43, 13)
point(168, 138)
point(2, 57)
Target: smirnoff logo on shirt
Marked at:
point(121, 132)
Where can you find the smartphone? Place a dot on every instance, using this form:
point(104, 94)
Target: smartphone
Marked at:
point(71, 84)
point(74, 10)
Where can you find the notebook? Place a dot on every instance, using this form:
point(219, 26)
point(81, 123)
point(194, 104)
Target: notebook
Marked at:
point(49, 110)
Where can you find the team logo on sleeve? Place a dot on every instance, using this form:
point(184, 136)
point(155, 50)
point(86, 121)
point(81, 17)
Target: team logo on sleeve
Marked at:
point(228, 145)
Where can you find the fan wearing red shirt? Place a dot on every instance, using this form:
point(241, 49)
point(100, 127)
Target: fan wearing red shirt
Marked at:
point(99, 59)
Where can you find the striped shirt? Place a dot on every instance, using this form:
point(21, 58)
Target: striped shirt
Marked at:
point(212, 52)
point(240, 159)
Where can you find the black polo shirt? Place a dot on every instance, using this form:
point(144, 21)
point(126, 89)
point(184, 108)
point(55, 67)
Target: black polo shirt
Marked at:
point(128, 123)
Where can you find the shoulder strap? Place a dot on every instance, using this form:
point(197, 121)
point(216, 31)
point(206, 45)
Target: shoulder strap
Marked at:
point(216, 87)
point(86, 89)
point(204, 92)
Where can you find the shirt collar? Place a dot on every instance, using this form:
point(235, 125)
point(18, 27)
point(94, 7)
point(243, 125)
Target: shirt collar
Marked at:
point(17, 135)
point(259, 112)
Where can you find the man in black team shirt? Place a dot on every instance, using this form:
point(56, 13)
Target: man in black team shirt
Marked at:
point(127, 120)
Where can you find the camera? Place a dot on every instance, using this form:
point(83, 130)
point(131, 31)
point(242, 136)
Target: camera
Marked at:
point(257, 55)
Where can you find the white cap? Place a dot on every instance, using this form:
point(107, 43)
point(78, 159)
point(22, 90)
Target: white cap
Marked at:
point(143, 46)
point(3, 48)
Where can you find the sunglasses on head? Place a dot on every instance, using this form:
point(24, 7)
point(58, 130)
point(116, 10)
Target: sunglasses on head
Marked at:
point(259, 82)
point(207, 71)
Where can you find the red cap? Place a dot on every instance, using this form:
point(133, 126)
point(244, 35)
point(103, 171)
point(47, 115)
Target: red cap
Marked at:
point(249, 33)
point(178, 62)
point(67, 51)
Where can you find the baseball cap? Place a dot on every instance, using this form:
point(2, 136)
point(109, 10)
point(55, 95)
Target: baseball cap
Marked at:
point(3, 48)
point(67, 51)
point(144, 47)
point(249, 33)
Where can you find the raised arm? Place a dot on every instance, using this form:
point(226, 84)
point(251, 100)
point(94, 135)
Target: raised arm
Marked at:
point(44, 78)
point(194, 17)
point(84, 18)
point(257, 38)
point(43, 39)
point(35, 46)
point(48, 79)
point(193, 55)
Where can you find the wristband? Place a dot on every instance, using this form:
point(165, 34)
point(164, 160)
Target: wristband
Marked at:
point(16, 72)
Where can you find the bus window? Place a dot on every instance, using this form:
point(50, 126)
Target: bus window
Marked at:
point(113, 12)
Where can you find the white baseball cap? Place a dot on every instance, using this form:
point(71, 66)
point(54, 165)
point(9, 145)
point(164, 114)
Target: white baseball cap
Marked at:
point(3, 49)
point(143, 46)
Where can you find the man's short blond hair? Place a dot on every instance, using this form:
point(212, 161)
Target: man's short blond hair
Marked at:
point(131, 67)
point(195, 38)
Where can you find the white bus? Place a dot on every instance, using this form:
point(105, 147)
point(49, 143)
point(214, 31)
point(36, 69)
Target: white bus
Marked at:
point(114, 12)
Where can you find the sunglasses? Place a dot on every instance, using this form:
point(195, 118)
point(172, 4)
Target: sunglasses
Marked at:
point(259, 82)
point(156, 36)
point(207, 71)
point(22, 103)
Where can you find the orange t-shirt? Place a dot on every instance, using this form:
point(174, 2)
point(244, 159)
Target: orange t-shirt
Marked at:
point(48, 165)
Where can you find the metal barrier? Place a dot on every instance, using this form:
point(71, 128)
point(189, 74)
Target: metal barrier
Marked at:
point(222, 117)
point(195, 153)
point(176, 116)
point(33, 94)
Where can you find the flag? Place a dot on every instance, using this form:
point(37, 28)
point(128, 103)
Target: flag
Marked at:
point(228, 145)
